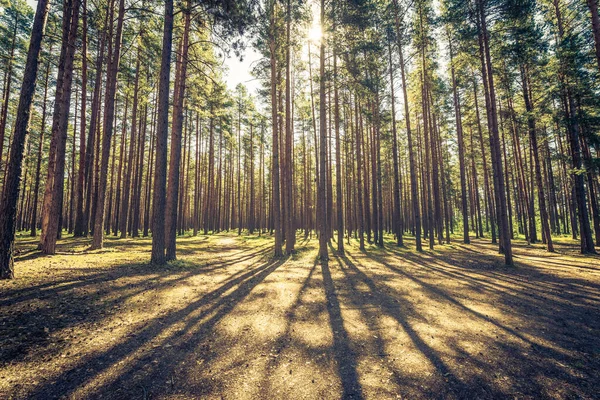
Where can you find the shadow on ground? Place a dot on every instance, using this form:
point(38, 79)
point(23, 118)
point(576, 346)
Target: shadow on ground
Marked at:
point(228, 321)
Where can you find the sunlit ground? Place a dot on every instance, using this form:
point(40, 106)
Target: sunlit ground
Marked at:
point(229, 322)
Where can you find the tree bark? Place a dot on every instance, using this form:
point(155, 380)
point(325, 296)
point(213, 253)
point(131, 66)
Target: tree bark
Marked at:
point(461, 150)
point(162, 132)
point(505, 243)
point(53, 196)
point(593, 6)
point(80, 229)
point(411, 155)
point(109, 114)
point(10, 196)
point(38, 168)
point(124, 209)
point(547, 234)
point(175, 160)
point(321, 207)
point(276, 199)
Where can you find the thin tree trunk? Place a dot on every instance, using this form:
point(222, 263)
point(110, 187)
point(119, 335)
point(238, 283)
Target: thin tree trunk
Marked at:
point(338, 158)
point(547, 234)
point(80, 229)
point(276, 203)
point(38, 168)
point(127, 181)
point(109, 114)
point(461, 150)
point(321, 207)
point(7, 86)
point(397, 217)
point(411, 156)
point(290, 233)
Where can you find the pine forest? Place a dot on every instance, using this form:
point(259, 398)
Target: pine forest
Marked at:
point(299, 199)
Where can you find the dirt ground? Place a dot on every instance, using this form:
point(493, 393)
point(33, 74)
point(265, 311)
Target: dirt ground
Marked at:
point(228, 322)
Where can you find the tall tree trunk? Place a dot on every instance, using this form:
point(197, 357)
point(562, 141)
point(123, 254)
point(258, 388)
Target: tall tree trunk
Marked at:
point(502, 216)
point(321, 207)
point(10, 196)
point(251, 207)
point(359, 172)
point(593, 6)
point(276, 199)
point(397, 216)
point(109, 114)
point(136, 206)
point(290, 231)
point(80, 229)
point(90, 153)
point(461, 149)
point(175, 159)
point(121, 168)
point(197, 181)
point(587, 244)
point(8, 83)
point(414, 189)
point(162, 132)
point(38, 168)
point(53, 196)
point(378, 173)
point(148, 190)
point(127, 181)
point(338, 158)
point(71, 197)
point(547, 234)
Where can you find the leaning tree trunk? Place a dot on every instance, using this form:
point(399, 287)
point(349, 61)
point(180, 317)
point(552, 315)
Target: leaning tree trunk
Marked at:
point(8, 207)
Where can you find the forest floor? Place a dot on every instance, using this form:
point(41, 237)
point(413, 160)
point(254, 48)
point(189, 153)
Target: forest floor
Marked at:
point(227, 321)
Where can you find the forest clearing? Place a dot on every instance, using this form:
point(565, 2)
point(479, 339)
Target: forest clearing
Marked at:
point(230, 322)
point(299, 199)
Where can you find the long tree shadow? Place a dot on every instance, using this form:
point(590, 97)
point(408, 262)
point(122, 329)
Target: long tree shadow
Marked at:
point(94, 296)
point(551, 330)
point(343, 352)
point(116, 367)
point(537, 296)
point(400, 310)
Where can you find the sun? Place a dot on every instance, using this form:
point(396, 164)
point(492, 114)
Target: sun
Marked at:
point(314, 33)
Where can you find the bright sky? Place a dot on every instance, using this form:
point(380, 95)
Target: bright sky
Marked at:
point(239, 71)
